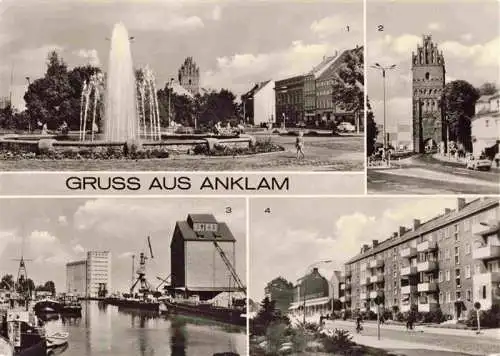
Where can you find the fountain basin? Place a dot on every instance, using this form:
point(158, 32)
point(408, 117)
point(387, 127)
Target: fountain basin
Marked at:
point(65, 146)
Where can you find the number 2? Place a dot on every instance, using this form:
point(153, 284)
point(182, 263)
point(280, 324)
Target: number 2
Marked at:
point(380, 28)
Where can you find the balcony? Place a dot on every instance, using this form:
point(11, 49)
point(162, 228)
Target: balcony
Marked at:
point(427, 307)
point(427, 287)
point(376, 263)
point(377, 278)
point(408, 271)
point(408, 252)
point(486, 253)
point(364, 281)
point(363, 296)
point(409, 289)
point(426, 246)
point(375, 293)
point(426, 266)
point(478, 229)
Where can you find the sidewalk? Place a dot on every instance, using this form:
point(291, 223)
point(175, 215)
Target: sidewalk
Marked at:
point(392, 344)
point(490, 333)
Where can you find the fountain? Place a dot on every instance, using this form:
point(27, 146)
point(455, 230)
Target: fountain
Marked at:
point(131, 114)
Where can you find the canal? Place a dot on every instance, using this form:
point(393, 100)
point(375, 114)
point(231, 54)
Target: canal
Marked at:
point(106, 330)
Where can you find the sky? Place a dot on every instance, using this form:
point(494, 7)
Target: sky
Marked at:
point(57, 231)
point(468, 33)
point(299, 232)
point(236, 43)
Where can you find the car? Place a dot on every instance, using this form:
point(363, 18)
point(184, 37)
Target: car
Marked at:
point(346, 127)
point(479, 164)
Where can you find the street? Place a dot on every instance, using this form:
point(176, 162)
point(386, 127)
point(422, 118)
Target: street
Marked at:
point(425, 175)
point(421, 341)
point(341, 153)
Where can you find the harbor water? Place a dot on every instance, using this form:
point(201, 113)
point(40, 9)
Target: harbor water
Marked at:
point(106, 330)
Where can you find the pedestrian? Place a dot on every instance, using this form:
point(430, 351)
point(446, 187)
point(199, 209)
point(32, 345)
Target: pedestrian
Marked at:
point(321, 317)
point(299, 144)
point(497, 159)
point(359, 327)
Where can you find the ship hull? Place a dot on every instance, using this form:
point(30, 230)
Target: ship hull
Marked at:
point(224, 315)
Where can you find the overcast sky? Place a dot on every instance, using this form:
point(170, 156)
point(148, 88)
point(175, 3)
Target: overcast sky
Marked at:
point(468, 33)
point(300, 232)
point(57, 231)
point(235, 43)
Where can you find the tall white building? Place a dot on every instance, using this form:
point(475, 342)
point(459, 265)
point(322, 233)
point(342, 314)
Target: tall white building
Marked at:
point(264, 103)
point(86, 278)
point(76, 278)
point(98, 272)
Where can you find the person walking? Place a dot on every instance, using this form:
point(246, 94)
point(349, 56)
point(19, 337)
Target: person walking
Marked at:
point(299, 144)
point(359, 327)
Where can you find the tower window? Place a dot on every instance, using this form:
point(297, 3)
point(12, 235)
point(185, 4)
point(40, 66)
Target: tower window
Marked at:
point(189, 81)
point(427, 76)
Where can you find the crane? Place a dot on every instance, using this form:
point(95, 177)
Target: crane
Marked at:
point(163, 281)
point(144, 285)
point(230, 267)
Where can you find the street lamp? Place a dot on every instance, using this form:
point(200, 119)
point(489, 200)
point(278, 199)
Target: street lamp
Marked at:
point(169, 85)
point(305, 285)
point(29, 121)
point(383, 70)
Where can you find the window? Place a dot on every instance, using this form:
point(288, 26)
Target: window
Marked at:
point(457, 260)
point(447, 254)
point(440, 255)
point(440, 278)
point(486, 123)
point(441, 297)
point(448, 297)
point(467, 248)
point(467, 271)
point(468, 295)
point(447, 275)
point(457, 295)
point(467, 225)
point(477, 269)
point(455, 233)
point(483, 292)
point(446, 232)
point(427, 76)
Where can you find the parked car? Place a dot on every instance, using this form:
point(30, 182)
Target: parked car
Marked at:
point(479, 164)
point(346, 127)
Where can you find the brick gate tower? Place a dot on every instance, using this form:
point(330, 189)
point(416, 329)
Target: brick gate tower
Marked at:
point(189, 76)
point(428, 74)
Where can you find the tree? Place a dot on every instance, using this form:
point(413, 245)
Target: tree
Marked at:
point(266, 315)
point(371, 131)
point(348, 90)
point(487, 89)
point(7, 282)
point(281, 292)
point(49, 286)
point(459, 100)
point(56, 98)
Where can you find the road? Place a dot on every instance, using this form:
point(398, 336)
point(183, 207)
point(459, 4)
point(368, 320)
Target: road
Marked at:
point(421, 341)
point(342, 153)
point(426, 175)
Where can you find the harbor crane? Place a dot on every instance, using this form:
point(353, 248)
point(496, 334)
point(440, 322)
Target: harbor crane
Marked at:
point(163, 281)
point(230, 267)
point(144, 285)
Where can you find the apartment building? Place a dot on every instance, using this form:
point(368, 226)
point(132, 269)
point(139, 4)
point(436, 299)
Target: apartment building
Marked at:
point(449, 262)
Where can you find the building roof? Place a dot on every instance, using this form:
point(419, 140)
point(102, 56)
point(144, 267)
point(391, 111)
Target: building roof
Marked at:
point(325, 63)
point(255, 89)
point(428, 226)
point(188, 234)
point(487, 98)
point(76, 263)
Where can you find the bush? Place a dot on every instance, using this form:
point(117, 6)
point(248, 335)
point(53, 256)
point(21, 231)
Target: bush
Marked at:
point(347, 314)
point(400, 317)
point(275, 335)
point(200, 149)
point(337, 341)
point(435, 316)
point(387, 314)
point(488, 318)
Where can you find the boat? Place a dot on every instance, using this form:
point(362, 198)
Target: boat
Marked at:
point(47, 306)
point(71, 306)
point(23, 337)
point(57, 340)
point(234, 316)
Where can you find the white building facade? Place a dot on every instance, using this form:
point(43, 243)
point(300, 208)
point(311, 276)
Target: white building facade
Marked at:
point(98, 272)
point(265, 104)
point(485, 126)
